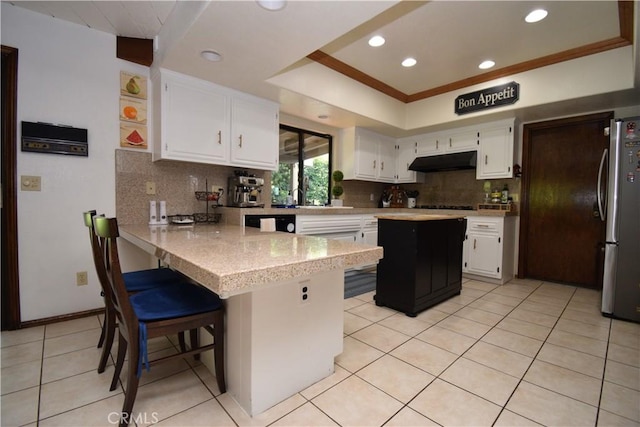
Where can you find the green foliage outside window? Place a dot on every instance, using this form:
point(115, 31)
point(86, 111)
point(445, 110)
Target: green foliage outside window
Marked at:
point(281, 183)
point(318, 174)
point(303, 171)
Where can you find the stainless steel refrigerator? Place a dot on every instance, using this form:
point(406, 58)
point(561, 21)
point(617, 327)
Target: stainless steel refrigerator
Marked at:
point(619, 204)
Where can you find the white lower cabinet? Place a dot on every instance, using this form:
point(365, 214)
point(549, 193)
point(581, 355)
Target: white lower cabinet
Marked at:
point(369, 235)
point(488, 249)
point(349, 228)
point(369, 230)
point(339, 227)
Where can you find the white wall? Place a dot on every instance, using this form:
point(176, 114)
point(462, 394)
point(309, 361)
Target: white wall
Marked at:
point(67, 74)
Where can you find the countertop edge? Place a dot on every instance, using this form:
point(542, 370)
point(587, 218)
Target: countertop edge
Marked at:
point(227, 284)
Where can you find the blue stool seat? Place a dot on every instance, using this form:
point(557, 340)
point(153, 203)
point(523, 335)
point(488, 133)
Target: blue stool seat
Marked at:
point(169, 302)
point(136, 281)
point(173, 301)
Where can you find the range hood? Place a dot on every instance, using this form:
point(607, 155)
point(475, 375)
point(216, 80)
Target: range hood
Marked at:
point(445, 162)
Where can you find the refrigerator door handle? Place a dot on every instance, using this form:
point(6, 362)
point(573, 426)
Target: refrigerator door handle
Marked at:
point(602, 198)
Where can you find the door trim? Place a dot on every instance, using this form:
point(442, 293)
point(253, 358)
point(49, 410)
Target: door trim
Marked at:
point(527, 132)
point(9, 247)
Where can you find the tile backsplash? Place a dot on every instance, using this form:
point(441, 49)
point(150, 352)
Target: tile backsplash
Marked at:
point(175, 182)
point(446, 188)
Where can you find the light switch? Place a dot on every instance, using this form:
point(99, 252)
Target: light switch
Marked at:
point(30, 183)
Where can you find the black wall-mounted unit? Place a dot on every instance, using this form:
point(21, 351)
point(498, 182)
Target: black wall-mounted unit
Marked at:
point(54, 139)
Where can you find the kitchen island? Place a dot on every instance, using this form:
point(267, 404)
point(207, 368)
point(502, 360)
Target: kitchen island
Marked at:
point(283, 297)
point(423, 260)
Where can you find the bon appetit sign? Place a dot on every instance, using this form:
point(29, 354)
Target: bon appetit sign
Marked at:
point(492, 97)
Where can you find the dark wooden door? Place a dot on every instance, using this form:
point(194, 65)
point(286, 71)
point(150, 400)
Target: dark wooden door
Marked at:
point(561, 236)
point(10, 301)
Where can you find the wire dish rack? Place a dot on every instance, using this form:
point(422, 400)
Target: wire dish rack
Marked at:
point(207, 217)
point(200, 217)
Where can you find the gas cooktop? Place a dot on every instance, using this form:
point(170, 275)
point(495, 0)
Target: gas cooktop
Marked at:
point(452, 207)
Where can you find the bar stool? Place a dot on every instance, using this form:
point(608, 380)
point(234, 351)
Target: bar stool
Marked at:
point(152, 313)
point(135, 281)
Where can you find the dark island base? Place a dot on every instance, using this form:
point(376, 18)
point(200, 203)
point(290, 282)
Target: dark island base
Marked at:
point(414, 309)
point(422, 263)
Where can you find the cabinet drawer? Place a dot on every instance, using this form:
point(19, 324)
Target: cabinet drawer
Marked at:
point(370, 223)
point(489, 225)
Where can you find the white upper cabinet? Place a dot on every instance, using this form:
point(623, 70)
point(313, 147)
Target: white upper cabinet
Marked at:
point(495, 155)
point(462, 140)
point(386, 167)
point(365, 156)
point(430, 144)
point(451, 141)
point(368, 156)
point(406, 154)
point(193, 120)
point(254, 134)
point(493, 142)
point(198, 121)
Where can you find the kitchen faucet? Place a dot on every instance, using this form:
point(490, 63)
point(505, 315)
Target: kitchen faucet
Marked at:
point(302, 192)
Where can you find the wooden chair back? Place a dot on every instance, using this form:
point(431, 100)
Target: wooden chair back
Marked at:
point(106, 230)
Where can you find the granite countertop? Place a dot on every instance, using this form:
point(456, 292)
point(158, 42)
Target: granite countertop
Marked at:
point(230, 259)
point(419, 217)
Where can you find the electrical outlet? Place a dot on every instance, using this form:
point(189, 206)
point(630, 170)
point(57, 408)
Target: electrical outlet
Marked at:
point(151, 187)
point(81, 278)
point(30, 183)
point(372, 197)
point(304, 291)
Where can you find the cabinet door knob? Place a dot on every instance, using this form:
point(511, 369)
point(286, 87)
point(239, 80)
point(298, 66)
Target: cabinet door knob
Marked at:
point(449, 142)
point(240, 139)
point(381, 165)
point(219, 137)
point(374, 164)
point(486, 158)
point(474, 244)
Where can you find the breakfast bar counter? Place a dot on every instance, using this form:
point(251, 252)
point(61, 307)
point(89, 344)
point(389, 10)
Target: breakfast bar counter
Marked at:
point(232, 260)
point(283, 298)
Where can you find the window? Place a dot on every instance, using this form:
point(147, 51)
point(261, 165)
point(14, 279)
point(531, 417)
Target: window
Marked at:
point(308, 185)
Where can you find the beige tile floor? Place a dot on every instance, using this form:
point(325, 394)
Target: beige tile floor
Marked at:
point(523, 354)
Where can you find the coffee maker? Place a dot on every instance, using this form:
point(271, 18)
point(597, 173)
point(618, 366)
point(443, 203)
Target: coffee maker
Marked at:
point(245, 191)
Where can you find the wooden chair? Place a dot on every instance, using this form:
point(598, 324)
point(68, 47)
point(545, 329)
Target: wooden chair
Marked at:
point(153, 313)
point(135, 281)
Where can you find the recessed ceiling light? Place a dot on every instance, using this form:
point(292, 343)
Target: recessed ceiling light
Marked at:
point(409, 62)
point(376, 41)
point(272, 5)
point(211, 55)
point(484, 65)
point(536, 15)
